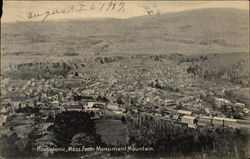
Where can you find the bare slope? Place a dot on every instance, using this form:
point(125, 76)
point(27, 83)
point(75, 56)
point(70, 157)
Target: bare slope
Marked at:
point(189, 32)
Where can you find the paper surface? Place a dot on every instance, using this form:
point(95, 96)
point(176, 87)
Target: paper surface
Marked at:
point(125, 79)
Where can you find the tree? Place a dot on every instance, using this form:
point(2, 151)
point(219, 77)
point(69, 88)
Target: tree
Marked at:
point(82, 139)
point(92, 114)
point(76, 74)
point(123, 120)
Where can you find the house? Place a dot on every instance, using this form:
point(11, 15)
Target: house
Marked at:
point(176, 117)
point(91, 109)
point(134, 110)
point(55, 103)
point(222, 120)
point(5, 102)
point(113, 107)
point(190, 120)
point(95, 105)
point(118, 112)
point(245, 110)
point(185, 112)
point(3, 110)
point(72, 108)
point(22, 105)
point(30, 103)
point(3, 119)
point(16, 104)
point(169, 102)
point(122, 109)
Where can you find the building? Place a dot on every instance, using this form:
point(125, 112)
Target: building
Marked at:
point(190, 120)
point(77, 107)
point(222, 121)
point(3, 119)
point(118, 112)
point(95, 105)
point(113, 107)
point(55, 103)
point(185, 112)
point(169, 102)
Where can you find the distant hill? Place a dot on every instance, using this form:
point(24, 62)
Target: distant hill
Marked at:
point(199, 31)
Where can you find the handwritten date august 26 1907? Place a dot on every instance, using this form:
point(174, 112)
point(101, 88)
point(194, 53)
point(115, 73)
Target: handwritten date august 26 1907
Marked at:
point(117, 7)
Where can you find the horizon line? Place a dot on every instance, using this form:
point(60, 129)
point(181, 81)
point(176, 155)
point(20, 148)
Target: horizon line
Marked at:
point(119, 18)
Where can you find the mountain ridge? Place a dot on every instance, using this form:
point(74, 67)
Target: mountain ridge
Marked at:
point(199, 31)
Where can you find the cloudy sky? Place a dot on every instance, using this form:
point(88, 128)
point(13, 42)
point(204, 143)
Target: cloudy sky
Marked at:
point(29, 11)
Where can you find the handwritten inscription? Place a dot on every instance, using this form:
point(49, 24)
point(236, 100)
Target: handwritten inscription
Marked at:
point(150, 10)
point(117, 7)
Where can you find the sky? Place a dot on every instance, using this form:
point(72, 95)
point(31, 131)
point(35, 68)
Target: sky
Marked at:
point(14, 11)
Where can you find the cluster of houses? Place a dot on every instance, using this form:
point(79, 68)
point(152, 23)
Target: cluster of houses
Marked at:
point(97, 108)
point(48, 96)
point(57, 95)
point(5, 110)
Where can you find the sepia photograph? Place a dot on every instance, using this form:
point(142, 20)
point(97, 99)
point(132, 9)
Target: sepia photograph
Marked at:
point(125, 80)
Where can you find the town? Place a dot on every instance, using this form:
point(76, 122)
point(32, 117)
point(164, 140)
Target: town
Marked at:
point(35, 104)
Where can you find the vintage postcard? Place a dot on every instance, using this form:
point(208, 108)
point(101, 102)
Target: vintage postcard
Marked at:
point(125, 80)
